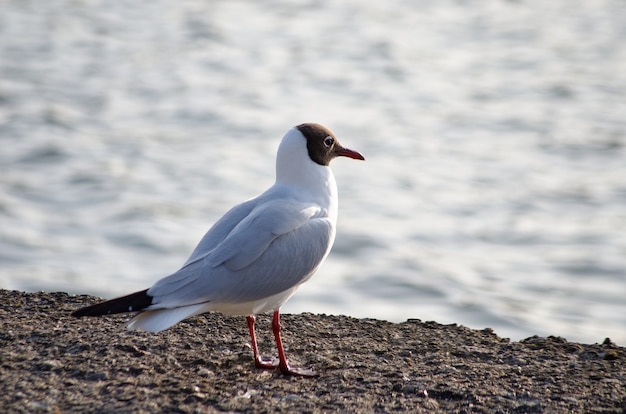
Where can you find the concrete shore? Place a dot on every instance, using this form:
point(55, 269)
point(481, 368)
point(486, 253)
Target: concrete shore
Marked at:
point(52, 362)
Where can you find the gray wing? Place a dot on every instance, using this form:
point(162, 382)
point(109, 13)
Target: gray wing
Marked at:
point(277, 246)
point(222, 228)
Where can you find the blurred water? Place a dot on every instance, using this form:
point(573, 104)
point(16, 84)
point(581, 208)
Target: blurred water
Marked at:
point(494, 190)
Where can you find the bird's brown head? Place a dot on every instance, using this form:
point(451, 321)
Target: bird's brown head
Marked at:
point(323, 145)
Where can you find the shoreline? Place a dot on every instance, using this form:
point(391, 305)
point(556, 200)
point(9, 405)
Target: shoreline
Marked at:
point(52, 362)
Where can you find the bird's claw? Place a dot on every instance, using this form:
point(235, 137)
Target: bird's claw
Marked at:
point(298, 371)
point(266, 363)
point(274, 364)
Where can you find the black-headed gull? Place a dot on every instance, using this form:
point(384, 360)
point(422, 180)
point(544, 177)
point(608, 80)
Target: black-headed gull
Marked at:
point(254, 258)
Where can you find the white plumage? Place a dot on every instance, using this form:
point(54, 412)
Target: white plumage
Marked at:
point(254, 258)
point(238, 266)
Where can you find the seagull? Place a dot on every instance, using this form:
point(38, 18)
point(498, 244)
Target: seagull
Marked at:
point(255, 257)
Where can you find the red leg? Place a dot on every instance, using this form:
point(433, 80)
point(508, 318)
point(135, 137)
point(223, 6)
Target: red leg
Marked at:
point(259, 362)
point(283, 364)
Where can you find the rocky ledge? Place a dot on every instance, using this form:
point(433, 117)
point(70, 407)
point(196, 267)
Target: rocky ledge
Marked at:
point(51, 362)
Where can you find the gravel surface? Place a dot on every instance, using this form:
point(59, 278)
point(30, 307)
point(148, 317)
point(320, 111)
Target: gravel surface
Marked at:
point(51, 362)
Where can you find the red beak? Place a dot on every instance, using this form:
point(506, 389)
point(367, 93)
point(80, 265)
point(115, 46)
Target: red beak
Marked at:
point(345, 152)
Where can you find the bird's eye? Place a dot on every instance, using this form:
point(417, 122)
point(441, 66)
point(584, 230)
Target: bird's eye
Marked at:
point(328, 142)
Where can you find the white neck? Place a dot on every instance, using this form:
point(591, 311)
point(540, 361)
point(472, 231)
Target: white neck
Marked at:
point(294, 168)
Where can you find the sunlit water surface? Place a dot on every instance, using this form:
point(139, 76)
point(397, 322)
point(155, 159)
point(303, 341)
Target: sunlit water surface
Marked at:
point(494, 191)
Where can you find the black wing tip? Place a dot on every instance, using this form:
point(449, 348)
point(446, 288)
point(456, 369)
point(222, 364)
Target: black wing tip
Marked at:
point(129, 303)
point(91, 310)
point(86, 311)
point(78, 313)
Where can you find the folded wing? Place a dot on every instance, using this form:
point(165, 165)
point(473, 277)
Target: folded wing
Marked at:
point(276, 246)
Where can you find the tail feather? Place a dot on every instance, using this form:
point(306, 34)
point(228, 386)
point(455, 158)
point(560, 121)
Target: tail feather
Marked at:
point(160, 319)
point(129, 303)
